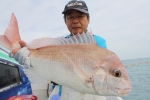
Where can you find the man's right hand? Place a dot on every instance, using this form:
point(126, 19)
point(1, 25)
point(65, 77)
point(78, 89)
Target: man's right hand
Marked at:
point(21, 55)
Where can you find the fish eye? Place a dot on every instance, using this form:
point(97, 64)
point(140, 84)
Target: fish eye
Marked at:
point(117, 73)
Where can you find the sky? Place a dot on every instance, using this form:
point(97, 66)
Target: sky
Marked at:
point(124, 24)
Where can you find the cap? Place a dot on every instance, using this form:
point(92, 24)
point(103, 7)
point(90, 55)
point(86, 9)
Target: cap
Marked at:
point(77, 5)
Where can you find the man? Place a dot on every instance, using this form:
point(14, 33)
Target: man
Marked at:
point(76, 18)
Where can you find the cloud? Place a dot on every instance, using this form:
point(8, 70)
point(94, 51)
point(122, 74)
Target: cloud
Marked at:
point(124, 24)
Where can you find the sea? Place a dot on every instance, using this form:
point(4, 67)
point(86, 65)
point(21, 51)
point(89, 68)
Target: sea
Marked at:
point(139, 73)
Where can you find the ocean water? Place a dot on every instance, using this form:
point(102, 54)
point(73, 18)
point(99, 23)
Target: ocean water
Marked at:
point(139, 73)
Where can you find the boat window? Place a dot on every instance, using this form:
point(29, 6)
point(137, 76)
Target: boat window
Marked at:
point(9, 75)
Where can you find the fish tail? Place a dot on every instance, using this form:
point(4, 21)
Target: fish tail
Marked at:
point(10, 39)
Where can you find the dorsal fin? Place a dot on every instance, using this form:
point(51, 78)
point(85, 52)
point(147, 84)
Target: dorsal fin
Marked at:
point(84, 38)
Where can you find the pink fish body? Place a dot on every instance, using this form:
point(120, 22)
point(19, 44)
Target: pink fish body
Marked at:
point(76, 62)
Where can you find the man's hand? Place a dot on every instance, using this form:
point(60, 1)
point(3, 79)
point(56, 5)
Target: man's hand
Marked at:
point(21, 55)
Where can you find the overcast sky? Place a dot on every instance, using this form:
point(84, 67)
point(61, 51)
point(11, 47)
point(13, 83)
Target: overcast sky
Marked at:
point(125, 24)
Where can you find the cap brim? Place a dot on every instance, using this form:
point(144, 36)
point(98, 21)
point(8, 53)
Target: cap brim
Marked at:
point(82, 10)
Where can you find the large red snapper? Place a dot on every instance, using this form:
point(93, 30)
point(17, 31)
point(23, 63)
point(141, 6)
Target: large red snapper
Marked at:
point(76, 62)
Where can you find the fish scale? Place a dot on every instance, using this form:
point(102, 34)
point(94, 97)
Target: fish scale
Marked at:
point(52, 54)
point(59, 74)
point(55, 54)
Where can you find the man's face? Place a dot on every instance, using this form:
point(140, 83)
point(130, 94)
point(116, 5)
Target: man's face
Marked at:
point(76, 21)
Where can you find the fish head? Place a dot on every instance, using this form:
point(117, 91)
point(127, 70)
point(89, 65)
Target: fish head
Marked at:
point(111, 78)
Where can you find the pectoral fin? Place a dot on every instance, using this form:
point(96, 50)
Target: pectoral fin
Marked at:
point(84, 77)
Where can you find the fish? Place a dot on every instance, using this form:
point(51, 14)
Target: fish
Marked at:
point(76, 62)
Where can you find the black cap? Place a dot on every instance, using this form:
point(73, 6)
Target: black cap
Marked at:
point(77, 5)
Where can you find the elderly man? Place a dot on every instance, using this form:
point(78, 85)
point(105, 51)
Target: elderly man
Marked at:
point(76, 18)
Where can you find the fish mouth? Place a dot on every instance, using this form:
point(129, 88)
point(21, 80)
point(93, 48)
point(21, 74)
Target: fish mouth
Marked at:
point(124, 92)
